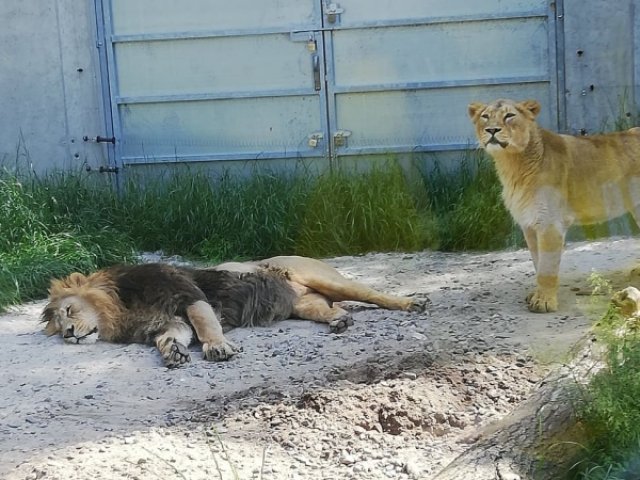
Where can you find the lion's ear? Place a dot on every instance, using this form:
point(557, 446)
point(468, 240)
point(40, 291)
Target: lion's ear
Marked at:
point(474, 108)
point(76, 279)
point(530, 106)
point(51, 328)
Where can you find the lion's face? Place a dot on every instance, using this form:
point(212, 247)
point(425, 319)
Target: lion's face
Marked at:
point(75, 319)
point(81, 307)
point(504, 125)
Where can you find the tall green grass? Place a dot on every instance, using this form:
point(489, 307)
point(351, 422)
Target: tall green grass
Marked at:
point(468, 204)
point(66, 221)
point(213, 218)
point(350, 213)
point(42, 236)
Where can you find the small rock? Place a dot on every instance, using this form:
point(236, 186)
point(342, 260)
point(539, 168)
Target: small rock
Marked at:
point(412, 469)
point(347, 459)
point(493, 394)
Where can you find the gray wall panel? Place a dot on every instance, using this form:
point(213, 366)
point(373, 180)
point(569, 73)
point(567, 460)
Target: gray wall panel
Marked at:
point(599, 62)
point(49, 84)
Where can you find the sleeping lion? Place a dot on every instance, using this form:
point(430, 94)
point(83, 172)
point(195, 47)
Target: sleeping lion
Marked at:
point(551, 181)
point(163, 305)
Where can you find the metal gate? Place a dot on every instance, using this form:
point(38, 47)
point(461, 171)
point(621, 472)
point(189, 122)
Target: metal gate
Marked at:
point(247, 80)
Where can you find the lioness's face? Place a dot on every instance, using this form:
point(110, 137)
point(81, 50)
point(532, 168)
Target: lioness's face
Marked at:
point(504, 125)
point(73, 318)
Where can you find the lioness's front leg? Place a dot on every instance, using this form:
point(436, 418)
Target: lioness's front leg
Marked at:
point(531, 237)
point(209, 331)
point(550, 242)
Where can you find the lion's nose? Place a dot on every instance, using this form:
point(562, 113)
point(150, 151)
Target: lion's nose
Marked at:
point(68, 333)
point(492, 131)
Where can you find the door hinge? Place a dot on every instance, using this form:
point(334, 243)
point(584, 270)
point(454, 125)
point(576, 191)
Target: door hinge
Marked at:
point(100, 139)
point(340, 138)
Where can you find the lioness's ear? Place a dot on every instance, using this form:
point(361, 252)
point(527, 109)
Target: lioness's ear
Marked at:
point(530, 106)
point(474, 108)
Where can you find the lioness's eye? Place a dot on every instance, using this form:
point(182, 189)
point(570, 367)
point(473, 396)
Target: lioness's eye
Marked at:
point(68, 310)
point(485, 116)
point(509, 115)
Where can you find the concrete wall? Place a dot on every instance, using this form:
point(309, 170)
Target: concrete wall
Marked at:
point(50, 90)
point(601, 60)
point(49, 84)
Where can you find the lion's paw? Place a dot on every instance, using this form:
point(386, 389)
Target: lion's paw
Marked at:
point(218, 352)
point(341, 324)
point(542, 302)
point(419, 304)
point(178, 355)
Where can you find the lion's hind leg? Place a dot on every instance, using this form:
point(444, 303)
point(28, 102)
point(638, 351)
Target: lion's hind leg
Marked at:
point(209, 331)
point(173, 343)
point(326, 280)
point(315, 307)
point(344, 289)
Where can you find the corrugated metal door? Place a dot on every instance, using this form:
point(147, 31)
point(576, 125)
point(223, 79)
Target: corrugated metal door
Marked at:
point(401, 72)
point(248, 79)
point(211, 80)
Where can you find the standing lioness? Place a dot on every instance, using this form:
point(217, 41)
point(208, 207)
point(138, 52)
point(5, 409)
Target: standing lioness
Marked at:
point(551, 181)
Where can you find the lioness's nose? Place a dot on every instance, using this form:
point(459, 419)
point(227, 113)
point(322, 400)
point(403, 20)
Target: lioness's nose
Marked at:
point(492, 131)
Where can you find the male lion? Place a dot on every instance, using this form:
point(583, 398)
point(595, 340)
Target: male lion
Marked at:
point(551, 181)
point(161, 304)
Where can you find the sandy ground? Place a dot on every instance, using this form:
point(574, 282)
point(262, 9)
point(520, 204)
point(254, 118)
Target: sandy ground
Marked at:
point(398, 395)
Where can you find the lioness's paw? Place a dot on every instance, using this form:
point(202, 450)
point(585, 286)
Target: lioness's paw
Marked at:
point(177, 355)
point(341, 324)
point(542, 302)
point(217, 352)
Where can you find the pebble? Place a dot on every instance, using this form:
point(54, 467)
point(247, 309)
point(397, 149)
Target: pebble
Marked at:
point(347, 458)
point(412, 470)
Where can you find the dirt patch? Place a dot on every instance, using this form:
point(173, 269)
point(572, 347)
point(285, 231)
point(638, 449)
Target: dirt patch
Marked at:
point(398, 395)
point(388, 426)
